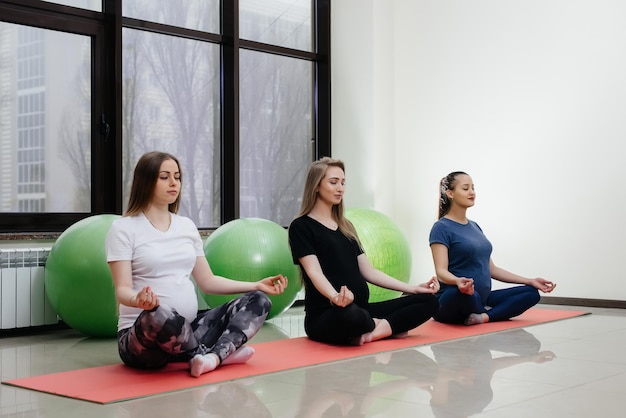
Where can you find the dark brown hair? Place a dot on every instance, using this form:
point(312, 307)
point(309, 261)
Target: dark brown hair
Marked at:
point(144, 180)
point(447, 183)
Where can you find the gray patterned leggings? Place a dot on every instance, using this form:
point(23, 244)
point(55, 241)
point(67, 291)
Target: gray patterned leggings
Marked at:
point(161, 336)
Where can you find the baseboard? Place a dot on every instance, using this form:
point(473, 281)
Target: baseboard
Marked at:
point(33, 330)
point(593, 303)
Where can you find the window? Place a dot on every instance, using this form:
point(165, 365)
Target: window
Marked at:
point(46, 113)
point(171, 87)
point(200, 15)
point(286, 23)
point(275, 138)
point(238, 90)
point(85, 4)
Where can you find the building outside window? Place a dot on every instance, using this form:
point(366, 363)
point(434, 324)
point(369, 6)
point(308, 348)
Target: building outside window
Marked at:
point(244, 145)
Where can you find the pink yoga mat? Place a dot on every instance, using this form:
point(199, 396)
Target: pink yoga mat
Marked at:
point(115, 383)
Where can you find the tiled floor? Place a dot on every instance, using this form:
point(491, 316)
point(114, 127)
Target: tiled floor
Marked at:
point(570, 368)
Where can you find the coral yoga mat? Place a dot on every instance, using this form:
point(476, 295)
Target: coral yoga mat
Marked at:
point(115, 383)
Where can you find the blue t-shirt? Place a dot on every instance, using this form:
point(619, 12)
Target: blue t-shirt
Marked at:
point(469, 252)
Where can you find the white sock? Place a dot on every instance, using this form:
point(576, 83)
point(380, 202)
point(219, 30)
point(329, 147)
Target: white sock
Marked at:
point(201, 364)
point(241, 355)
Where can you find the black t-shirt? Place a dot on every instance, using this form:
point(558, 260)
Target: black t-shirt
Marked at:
point(337, 256)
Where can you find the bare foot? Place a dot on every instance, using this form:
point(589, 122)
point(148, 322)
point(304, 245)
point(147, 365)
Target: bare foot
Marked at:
point(365, 338)
point(475, 319)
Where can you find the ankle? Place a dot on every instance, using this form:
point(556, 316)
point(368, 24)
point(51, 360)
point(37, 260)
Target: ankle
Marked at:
point(361, 339)
point(201, 364)
point(241, 355)
point(476, 318)
point(382, 330)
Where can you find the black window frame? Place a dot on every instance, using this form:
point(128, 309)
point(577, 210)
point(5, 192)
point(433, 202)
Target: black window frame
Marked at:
point(105, 28)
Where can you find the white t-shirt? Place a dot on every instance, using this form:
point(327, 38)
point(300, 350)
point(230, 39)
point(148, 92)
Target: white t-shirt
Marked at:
point(161, 260)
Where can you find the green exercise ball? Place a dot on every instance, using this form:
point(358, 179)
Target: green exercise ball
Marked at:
point(386, 247)
point(78, 281)
point(250, 249)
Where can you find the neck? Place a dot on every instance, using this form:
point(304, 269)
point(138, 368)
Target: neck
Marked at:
point(324, 215)
point(160, 218)
point(457, 214)
point(321, 211)
point(157, 210)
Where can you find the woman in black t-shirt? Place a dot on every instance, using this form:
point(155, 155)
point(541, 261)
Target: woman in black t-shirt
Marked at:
point(336, 270)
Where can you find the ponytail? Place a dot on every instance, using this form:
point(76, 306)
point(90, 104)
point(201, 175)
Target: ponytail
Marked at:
point(447, 183)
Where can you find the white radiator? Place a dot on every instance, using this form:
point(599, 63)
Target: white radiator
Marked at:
point(23, 300)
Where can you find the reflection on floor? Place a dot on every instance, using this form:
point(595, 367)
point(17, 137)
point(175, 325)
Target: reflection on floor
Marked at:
point(570, 368)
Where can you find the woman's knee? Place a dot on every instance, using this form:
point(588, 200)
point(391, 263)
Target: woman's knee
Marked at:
point(355, 313)
point(339, 325)
point(423, 304)
point(153, 321)
point(533, 294)
point(353, 318)
point(431, 305)
point(261, 300)
point(454, 310)
point(255, 302)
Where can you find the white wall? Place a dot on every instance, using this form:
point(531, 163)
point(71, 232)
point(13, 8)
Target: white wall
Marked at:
point(528, 97)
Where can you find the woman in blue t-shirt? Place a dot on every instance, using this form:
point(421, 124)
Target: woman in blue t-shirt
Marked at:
point(462, 257)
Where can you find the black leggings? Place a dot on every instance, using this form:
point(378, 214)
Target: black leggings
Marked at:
point(342, 326)
point(162, 335)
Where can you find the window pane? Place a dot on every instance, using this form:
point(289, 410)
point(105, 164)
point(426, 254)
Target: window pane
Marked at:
point(191, 14)
point(276, 131)
point(171, 103)
point(45, 134)
point(95, 5)
point(284, 23)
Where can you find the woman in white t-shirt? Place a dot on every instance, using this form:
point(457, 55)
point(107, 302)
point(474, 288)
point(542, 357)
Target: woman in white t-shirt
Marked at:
point(153, 253)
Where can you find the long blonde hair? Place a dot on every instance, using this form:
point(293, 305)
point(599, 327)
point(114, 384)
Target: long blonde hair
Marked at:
point(317, 171)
